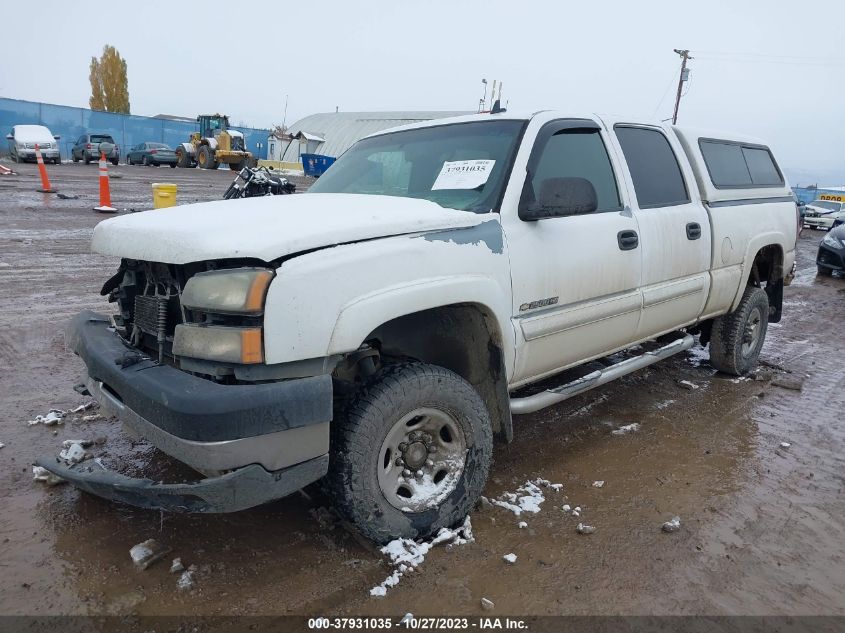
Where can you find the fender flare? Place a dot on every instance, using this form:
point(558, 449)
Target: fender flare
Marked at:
point(755, 245)
point(358, 318)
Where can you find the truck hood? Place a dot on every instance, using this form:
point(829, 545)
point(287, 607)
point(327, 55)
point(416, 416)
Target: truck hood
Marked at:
point(269, 227)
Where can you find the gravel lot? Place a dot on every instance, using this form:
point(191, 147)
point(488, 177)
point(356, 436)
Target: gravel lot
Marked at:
point(762, 528)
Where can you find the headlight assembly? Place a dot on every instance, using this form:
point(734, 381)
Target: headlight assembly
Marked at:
point(224, 344)
point(832, 242)
point(229, 291)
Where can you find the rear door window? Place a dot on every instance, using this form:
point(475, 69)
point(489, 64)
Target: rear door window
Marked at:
point(654, 168)
point(738, 165)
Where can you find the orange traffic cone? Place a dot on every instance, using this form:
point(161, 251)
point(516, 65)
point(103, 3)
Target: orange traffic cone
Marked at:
point(105, 195)
point(45, 182)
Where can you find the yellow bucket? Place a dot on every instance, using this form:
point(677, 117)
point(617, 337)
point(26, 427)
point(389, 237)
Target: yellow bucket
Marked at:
point(164, 195)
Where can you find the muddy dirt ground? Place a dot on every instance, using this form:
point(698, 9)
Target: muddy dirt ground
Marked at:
point(762, 526)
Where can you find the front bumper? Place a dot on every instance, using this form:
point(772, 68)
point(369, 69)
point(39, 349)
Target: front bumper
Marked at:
point(46, 154)
point(818, 222)
point(831, 258)
point(264, 432)
point(244, 488)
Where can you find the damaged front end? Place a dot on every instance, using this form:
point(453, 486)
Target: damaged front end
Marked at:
point(176, 366)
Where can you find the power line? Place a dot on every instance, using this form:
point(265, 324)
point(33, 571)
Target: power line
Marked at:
point(665, 92)
point(739, 54)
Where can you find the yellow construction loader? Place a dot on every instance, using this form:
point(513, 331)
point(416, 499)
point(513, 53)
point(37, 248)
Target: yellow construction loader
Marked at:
point(214, 144)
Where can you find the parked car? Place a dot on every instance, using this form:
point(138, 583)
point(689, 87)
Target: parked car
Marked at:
point(88, 148)
point(378, 329)
point(151, 154)
point(24, 138)
point(831, 255)
point(823, 214)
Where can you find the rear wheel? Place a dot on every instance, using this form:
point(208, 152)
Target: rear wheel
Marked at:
point(173, 165)
point(183, 159)
point(146, 161)
point(411, 453)
point(86, 159)
point(115, 161)
point(737, 337)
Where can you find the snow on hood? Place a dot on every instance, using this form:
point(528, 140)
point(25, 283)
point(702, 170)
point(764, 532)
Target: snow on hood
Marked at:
point(33, 134)
point(269, 227)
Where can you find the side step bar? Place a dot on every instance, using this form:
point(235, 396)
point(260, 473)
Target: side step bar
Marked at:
point(547, 398)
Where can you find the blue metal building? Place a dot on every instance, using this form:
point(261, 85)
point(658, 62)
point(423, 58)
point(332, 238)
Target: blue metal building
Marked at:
point(127, 129)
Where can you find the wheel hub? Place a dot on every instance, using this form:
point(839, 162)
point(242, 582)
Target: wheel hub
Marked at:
point(415, 455)
point(422, 460)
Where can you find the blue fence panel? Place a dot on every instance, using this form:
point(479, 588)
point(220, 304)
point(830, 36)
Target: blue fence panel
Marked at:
point(127, 130)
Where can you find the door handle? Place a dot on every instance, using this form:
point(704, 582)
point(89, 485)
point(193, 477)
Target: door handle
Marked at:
point(693, 231)
point(628, 240)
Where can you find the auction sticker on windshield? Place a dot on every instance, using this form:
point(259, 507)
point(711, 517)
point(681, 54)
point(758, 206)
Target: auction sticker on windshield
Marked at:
point(463, 174)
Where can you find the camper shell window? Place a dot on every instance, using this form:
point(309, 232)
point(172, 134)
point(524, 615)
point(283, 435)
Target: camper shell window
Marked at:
point(734, 165)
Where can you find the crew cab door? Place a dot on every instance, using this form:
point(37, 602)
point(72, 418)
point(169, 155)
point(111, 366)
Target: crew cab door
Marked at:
point(674, 228)
point(575, 278)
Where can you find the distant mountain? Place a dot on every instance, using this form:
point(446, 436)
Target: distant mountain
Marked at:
point(822, 177)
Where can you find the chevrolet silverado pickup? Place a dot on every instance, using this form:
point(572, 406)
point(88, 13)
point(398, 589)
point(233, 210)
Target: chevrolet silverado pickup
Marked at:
point(379, 331)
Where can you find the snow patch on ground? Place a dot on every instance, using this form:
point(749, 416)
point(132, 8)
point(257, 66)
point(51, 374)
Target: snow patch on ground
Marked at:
point(527, 498)
point(406, 554)
point(698, 356)
point(55, 416)
point(664, 404)
point(628, 428)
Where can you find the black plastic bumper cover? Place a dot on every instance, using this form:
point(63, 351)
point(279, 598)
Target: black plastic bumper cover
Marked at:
point(190, 407)
point(830, 258)
point(243, 488)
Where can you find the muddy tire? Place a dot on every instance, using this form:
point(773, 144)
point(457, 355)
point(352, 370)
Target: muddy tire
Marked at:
point(823, 271)
point(205, 158)
point(410, 416)
point(183, 159)
point(737, 337)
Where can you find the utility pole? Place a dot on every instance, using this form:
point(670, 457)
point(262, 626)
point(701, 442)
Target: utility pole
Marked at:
point(684, 76)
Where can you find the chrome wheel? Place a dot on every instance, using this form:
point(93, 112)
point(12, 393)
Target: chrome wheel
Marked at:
point(751, 334)
point(421, 460)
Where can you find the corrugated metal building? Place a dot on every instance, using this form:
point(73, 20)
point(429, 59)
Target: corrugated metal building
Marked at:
point(808, 194)
point(332, 133)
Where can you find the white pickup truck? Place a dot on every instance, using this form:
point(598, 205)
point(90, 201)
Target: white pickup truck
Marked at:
point(378, 331)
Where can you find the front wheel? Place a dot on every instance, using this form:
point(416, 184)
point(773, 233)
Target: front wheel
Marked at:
point(411, 454)
point(205, 158)
point(823, 271)
point(737, 338)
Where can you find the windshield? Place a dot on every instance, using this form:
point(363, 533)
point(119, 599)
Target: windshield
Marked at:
point(458, 166)
point(158, 146)
point(826, 204)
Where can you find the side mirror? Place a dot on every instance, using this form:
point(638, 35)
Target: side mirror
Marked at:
point(57, 136)
point(560, 197)
point(9, 137)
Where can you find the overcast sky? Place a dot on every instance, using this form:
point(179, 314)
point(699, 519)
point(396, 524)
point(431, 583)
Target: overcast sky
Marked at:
point(772, 69)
